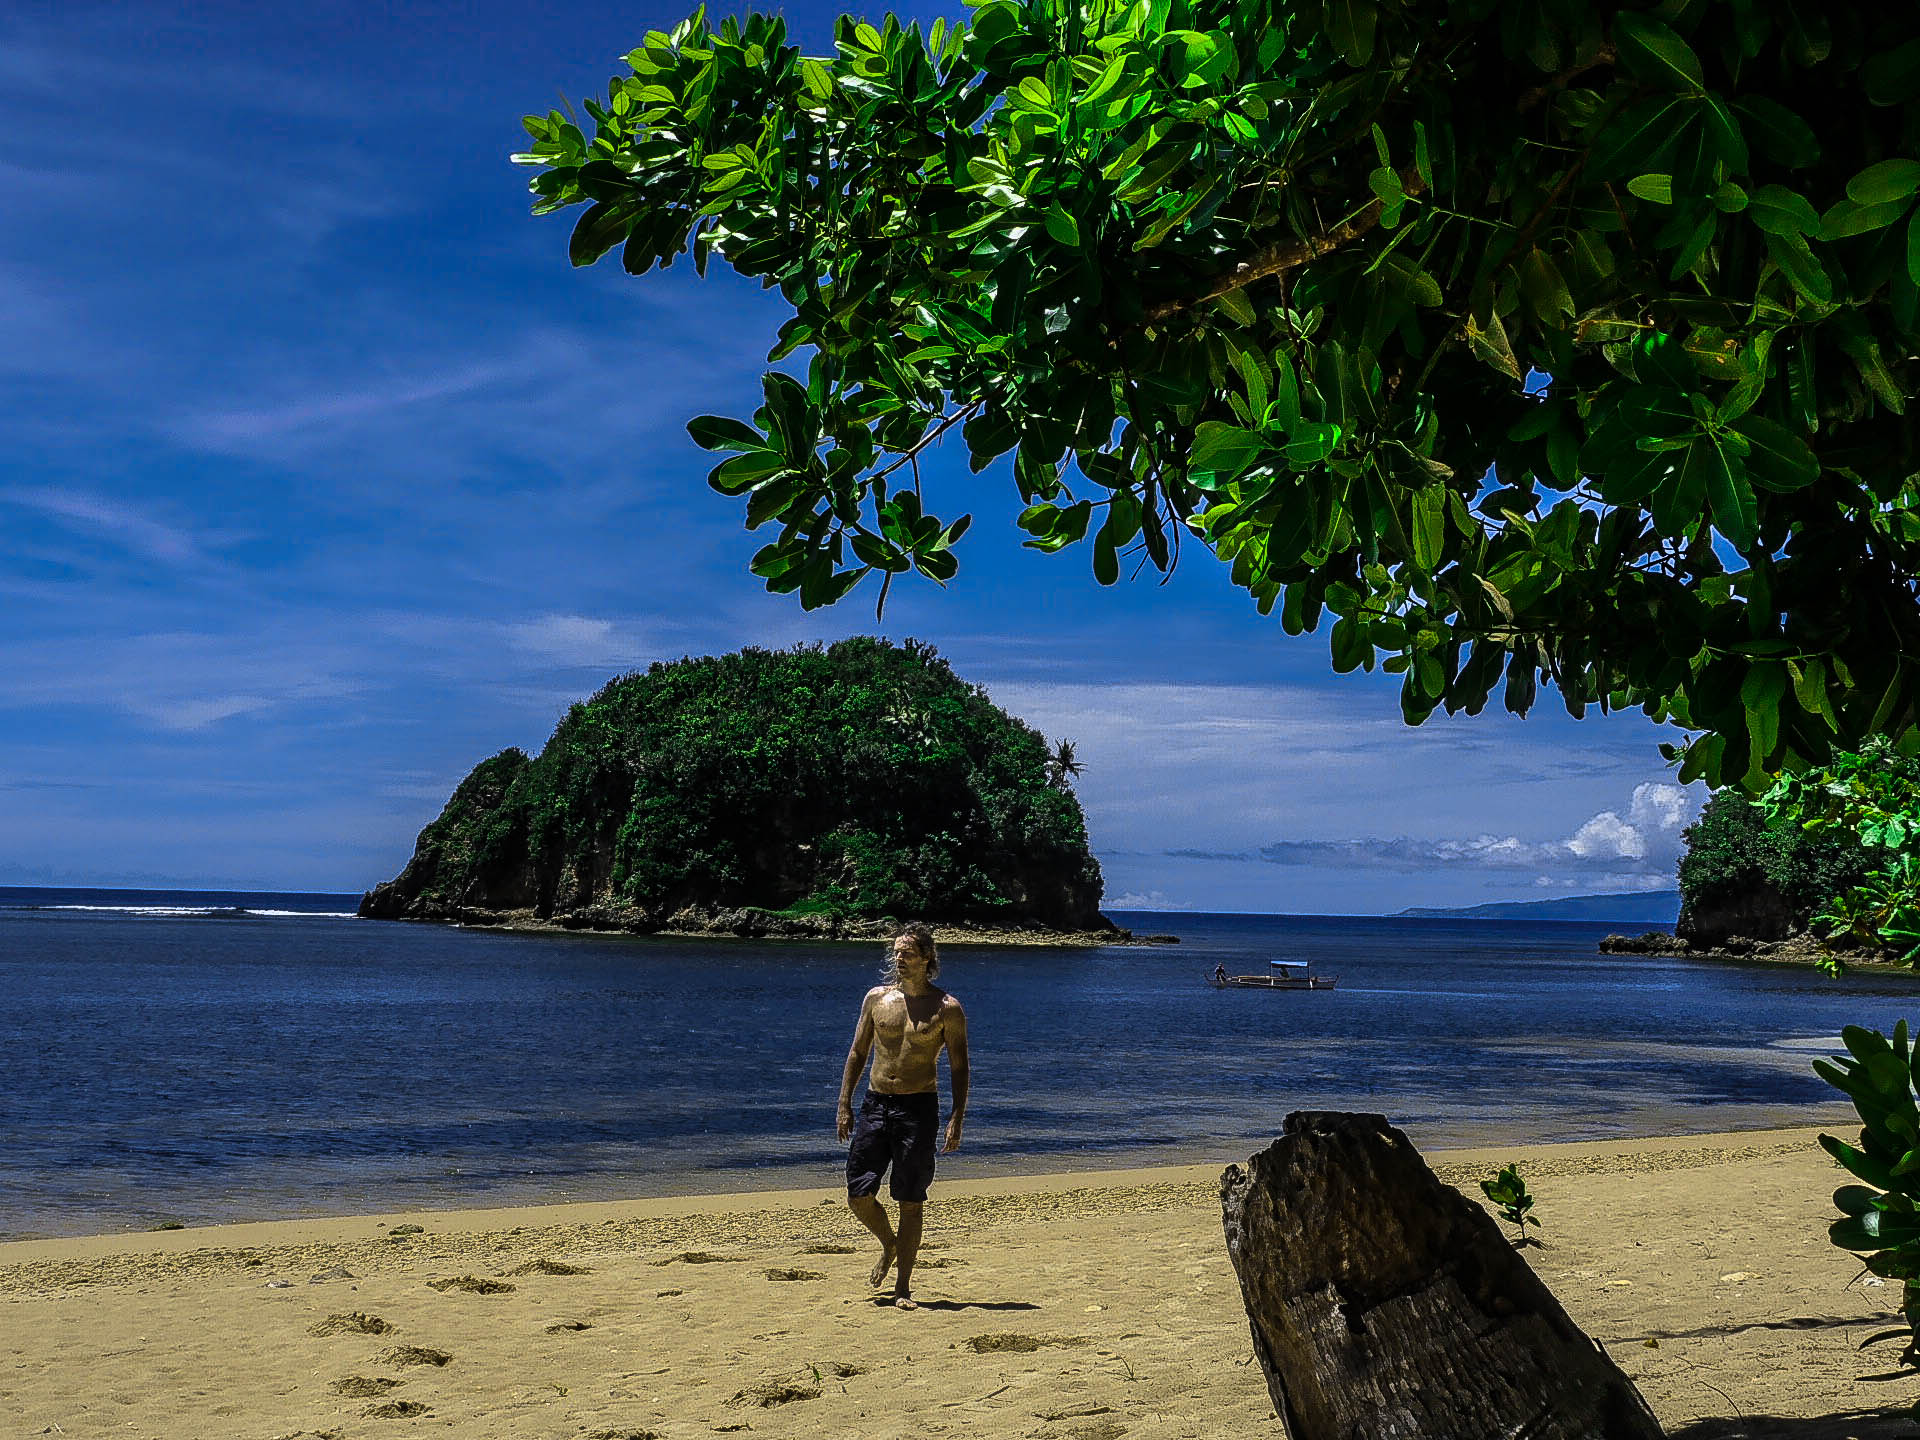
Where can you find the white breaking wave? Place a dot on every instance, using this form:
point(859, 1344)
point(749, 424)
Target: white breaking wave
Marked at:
point(188, 912)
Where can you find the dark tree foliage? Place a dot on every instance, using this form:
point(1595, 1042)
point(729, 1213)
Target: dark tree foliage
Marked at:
point(1739, 861)
point(861, 780)
point(1271, 280)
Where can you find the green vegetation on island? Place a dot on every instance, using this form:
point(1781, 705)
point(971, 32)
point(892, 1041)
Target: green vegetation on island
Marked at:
point(805, 791)
point(1748, 873)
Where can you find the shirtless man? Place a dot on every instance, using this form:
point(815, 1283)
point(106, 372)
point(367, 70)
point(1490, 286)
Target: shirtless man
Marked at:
point(912, 1020)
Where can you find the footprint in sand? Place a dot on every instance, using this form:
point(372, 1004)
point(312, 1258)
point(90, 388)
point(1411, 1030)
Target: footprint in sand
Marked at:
point(700, 1257)
point(395, 1410)
point(402, 1355)
point(769, 1393)
point(549, 1267)
point(829, 1247)
point(353, 1323)
point(624, 1435)
point(363, 1387)
point(473, 1284)
point(1018, 1344)
point(780, 1273)
point(560, 1327)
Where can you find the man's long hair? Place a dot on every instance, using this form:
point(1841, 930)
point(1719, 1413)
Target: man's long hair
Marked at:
point(922, 938)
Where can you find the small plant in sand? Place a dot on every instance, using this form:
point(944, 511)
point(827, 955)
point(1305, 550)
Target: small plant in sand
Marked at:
point(1509, 1192)
point(1880, 1220)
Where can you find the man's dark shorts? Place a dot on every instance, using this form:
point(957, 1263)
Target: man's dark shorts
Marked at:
point(896, 1130)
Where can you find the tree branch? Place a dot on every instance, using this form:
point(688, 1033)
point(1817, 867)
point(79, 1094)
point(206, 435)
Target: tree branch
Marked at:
point(1283, 256)
point(924, 441)
point(1603, 56)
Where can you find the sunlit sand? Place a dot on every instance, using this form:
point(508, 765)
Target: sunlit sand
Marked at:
point(1083, 1306)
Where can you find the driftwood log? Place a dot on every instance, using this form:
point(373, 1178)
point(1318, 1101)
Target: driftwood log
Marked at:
point(1387, 1306)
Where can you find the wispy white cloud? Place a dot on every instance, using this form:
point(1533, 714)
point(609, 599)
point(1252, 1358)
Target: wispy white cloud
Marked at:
point(576, 642)
point(180, 681)
point(126, 525)
point(246, 429)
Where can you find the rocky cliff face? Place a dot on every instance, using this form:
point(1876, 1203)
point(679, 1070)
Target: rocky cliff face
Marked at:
point(806, 791)
point(1760, 913)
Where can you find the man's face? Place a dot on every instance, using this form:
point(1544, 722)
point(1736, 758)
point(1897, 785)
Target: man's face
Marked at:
point(908, 962)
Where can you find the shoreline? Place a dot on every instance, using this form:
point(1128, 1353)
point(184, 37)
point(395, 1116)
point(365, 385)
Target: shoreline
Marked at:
point(1554, 1157)
point(1066, 1306)
point(757, 927)
point(744, 1185)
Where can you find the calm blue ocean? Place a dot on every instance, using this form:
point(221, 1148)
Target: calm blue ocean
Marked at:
point(217, 1057)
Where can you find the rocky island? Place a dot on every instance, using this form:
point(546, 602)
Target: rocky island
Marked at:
point(820, 792)
point(1749, 887)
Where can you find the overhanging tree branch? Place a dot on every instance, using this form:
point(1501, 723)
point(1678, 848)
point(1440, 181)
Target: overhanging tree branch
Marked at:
point(1283, 256)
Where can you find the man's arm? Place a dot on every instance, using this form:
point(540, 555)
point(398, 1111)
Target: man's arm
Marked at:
point(856, 1061)
point(956, 1033)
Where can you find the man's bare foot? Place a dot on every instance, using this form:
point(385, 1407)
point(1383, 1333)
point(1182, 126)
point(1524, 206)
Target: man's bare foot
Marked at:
point(881, 1267)
point(904, 1301)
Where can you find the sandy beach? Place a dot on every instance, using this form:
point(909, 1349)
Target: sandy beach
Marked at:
point(1054, 1307)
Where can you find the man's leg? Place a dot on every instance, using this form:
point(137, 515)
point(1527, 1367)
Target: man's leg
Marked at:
point(907, 1251)
point(872, 1214)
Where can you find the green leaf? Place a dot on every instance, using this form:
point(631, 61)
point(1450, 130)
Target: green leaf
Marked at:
point(1845, 218)
point(1545, 289)
point(1350, 26)
point(1779, 211)
point(1913, 248)
point(1778, 133)
point(1885, 183)
point(817, 78)
point(1777, 459)
point(1893, 76)
point(1803, 272)
point(1312, 443)
point(1236, 304)
point(719, 432)
point(1655, 53)
point(1490, 343)
point(1634, 136)
point(743, 472)
point(1035, 92)
point(1655, 187)
point(1062, 226)
point(1221, 454)
point(1729, 494)
point(1429, 526)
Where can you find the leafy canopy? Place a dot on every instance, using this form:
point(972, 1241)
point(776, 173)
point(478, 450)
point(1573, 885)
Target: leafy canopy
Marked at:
point(1869, 802)
point(1735, 850)
point(1525, 339)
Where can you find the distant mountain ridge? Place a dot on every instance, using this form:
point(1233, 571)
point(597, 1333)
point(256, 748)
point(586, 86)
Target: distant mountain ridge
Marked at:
point(1637, 907)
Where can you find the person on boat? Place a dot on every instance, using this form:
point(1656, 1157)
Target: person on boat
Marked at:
point(904, 1025)
point(1220, 974)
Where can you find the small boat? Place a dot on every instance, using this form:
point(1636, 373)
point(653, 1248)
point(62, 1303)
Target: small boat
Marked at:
point(1281, 975)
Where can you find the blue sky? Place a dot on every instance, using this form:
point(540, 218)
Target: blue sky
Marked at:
point(326, 476)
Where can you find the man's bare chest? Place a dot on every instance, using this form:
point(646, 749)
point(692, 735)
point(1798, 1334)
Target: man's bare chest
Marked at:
point(909, 1022)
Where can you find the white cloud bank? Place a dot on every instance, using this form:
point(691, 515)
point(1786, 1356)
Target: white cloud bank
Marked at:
point(1645, 840)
